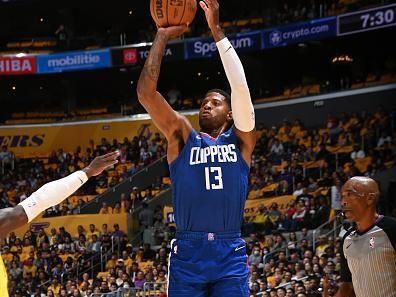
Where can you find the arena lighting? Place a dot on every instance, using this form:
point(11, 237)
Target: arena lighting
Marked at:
point(20, 55)
point(13, 88)
point(130, 12)
point(342, 59)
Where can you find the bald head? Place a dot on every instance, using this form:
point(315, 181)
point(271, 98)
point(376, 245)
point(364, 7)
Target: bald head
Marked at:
point(359, 197)
point(362, 184)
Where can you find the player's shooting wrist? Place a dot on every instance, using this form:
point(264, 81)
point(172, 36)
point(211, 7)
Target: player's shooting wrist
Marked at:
point(217, 33)
point(161, 33)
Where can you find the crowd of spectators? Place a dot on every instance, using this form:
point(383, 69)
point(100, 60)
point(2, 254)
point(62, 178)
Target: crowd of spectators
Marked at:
point(18, 182)
point(282, 256)
point(291, 159)
point(59, 263)
point(41, 264)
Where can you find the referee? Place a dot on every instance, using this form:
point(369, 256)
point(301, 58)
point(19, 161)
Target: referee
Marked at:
point(48, 195)
point(368, 256)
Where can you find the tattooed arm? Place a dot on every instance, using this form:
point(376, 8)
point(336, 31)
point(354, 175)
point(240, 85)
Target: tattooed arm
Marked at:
point(174, 126)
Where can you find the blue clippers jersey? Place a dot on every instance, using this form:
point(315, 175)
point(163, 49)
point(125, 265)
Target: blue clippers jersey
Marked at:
point(209, 183)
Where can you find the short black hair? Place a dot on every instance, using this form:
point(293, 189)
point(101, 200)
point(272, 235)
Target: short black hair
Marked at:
point(223, 93)
point(283, 289)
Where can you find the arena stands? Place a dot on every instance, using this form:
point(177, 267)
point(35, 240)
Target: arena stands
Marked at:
point(285, 258)
point(327, 65)
point(29, 174)
point(63, 27)
point(292, 223)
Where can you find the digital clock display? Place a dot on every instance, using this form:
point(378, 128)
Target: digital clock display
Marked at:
point(366, 20)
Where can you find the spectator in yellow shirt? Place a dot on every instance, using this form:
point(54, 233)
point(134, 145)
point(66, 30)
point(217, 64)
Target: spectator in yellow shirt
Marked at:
point(260, 220)
point(112, 262)
point(85, 280)
point(305, 140)
point(105, 209)
point(26, 249)
point(80, 231)
point(53, 238)
point(55, 286)
point(127, 260)
point(28, 267)
point(284, 128)
point(296, 128)
point(140, 256)
point(92, 231)
point(7, 255)
point(17, 246)
point(118, 209)
point(322, 245)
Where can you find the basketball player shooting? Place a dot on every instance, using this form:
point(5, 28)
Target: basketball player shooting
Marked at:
point(48, 195)
point(209, 171)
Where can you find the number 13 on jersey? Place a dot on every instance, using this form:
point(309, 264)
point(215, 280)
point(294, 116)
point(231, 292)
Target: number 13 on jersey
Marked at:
point(213, 174)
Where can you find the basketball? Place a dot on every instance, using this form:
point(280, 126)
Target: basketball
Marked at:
point(173, 12)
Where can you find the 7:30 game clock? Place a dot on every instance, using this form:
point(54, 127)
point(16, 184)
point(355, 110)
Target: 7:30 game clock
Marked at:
point(366, 20)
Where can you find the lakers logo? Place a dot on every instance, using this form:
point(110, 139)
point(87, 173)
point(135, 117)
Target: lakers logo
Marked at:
point(144, 130)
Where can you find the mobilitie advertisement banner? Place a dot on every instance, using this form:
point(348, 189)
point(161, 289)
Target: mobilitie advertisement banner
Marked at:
point(295, 33)
point(72, 61)
point(12, 65)
point(206, 48)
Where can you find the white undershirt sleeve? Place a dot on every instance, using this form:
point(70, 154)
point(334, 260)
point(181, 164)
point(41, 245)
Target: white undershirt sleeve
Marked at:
point(241, 103)
point(52, 194)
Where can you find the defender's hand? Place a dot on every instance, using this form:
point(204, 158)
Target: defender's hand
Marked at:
point(101, 163)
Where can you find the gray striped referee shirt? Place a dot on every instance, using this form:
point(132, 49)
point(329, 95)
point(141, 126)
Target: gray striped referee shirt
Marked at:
point(369, 259)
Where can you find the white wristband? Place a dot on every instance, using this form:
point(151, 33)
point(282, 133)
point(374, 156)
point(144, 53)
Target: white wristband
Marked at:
point(52, 194)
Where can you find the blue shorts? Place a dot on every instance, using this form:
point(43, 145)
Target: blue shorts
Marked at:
point(208, 265)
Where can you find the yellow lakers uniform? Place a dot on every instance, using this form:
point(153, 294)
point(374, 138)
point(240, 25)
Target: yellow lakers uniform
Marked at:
point(3, 279)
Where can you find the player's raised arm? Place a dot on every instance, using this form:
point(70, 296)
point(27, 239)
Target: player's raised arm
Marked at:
point(51, 194)
point(164, 117)
point(242, 107)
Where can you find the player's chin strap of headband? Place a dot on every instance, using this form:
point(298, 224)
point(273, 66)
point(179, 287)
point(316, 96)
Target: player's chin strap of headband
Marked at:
point(52, 194)
point(241, 103)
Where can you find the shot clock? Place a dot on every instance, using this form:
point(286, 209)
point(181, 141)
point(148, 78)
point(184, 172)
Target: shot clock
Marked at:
point(366, 20)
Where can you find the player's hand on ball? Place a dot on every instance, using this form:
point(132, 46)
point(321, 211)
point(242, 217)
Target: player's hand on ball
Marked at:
point(211, 9)
point(173, 31)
